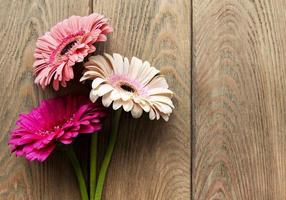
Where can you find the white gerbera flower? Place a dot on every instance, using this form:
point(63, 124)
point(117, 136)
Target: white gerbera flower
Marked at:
point(136, 85)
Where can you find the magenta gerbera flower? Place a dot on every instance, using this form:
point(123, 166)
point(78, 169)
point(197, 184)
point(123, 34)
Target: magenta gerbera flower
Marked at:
point(57, 120)
point(67, 43)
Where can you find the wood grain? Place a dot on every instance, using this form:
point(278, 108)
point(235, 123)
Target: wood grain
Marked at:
point(239, 140)
point(21, 23)
point(152, 158)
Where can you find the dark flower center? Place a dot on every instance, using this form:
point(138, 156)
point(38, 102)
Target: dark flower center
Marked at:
point(127, 88)
point(68, 47)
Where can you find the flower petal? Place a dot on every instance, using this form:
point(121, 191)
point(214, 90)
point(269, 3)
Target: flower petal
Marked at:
point(136, 111)
point(117, 104)
point(96, 82)
point(106, 100)
point(104, 89)
point(128, 105)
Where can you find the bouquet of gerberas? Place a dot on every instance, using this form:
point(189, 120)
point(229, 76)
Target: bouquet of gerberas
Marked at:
point(133, 86)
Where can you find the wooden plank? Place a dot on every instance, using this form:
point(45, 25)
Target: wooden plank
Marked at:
point(239, 143)
point(152, 158)
point(21, 23)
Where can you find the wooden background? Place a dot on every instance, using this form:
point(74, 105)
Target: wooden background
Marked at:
point(225, 60)
point(152, 158)
point(239, 99)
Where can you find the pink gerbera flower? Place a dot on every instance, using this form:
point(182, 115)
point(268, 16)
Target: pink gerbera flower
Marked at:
point(57, 120)
point(68, 42)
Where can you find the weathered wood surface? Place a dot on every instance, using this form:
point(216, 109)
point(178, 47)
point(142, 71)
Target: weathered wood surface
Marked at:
point(238, 99)
point(239, 102)
point(152, 159)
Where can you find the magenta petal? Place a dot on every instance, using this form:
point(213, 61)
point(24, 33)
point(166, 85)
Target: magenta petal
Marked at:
point(55, 120)
point(40, 155)
point(66, 141)
point(87, 129)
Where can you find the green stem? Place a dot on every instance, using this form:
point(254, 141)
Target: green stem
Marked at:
point(93, 159)
point(107, 157)
point(78, 171)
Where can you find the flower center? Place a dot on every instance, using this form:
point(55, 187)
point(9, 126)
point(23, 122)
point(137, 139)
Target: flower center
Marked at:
point(125, 83)
point(68, 47)
point(127, 88)
point(43, 132)
point(67, 42)
point(58, 124)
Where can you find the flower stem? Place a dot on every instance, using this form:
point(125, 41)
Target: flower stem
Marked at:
point(78, 171)
point(93, 159)
point(108, 155)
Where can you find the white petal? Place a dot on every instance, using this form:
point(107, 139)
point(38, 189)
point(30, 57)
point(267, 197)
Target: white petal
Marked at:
point(163, 108)
point(104, 89)
point(149, 75)
point(90, 75)
point(117, 104)
point(118, 61)
point(156, 91)
point(145, 106)
point(152, 114)
point(142, 71)
point(135, 65)
point(127, 105)
point(83, 78)
point(115, 95)
point(102, 62)
point(157, 114)
point(93, 74)
point(158, 82)
point(135, 62)
point(136, 111)
point(165, 117)
point(162, 99)
point(96, 82)
point(126, 66)
point(137, 99)
point(106, 100)
point(110, 59)
point(94, 67)
point(93, 95)
point(125, 95)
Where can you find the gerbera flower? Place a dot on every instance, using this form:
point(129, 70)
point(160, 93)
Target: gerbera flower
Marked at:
point(67, 43)
point(136, 85)
point(57, 120)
